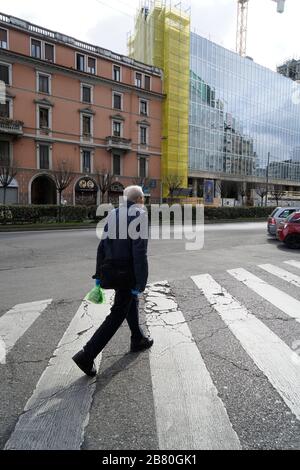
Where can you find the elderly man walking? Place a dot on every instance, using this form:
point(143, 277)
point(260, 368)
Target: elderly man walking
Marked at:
point(122, 265)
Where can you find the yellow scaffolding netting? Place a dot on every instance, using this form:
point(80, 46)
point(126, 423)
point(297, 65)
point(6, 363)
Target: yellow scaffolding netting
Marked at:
point(162, 39)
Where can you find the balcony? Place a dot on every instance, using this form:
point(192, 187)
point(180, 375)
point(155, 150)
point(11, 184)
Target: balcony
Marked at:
point(9, 126)
point(118, 143)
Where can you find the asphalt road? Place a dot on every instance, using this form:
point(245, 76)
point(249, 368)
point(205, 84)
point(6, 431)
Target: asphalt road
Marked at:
point(127, 393)
point(59, 265)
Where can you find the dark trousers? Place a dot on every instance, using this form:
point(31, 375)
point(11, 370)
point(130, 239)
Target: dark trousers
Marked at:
point(126, 306)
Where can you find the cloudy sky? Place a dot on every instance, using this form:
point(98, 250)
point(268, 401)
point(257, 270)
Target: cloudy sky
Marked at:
point(272, 37)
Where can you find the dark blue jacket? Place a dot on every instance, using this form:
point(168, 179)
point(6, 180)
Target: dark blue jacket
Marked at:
point(133, 252)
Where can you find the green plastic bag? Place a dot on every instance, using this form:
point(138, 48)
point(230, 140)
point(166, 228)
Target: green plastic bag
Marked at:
point(96, 296)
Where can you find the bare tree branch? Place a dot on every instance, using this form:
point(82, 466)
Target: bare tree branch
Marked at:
point(261, 190)
point(277, 193)
point(63, 176)
point(105, 180)
point(139, 181)
point(8, 171)
point(173, 182)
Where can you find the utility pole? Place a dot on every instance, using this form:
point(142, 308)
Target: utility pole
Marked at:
point(267, 178)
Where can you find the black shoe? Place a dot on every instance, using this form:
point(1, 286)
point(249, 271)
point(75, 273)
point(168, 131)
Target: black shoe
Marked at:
point(144, 343)
point(86, 365)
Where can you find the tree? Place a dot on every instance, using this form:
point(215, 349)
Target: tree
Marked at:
point(242, 191)
point(173, 182)
point(277, 193)
point(139, 181)
point(63, 177)
point(105, 180)
point(262, 191)
point(8, 171)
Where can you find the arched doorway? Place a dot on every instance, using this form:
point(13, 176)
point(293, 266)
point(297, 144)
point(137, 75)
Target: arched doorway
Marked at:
point(43, 191)
point(86, 191)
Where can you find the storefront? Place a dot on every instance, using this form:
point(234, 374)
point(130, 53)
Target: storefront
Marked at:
point(86, 191)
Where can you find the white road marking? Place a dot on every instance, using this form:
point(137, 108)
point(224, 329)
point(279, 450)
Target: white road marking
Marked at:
point(2, 352)
point(57, 413)
point(16, 321)
point(295, 264)
point(274, 296)
point(282, 274)
point(271, 355)
point(189, 413)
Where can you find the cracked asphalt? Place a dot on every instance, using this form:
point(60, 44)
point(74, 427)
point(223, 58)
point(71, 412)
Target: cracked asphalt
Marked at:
point(58, 265)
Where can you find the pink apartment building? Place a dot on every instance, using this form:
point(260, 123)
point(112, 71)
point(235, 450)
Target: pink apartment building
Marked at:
point(72, 102)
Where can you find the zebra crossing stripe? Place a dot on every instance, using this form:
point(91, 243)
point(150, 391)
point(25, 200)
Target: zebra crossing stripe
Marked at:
point(282, 274)
point(271, 355)
point(274, 296)
point(189, 413)
point(295, 264)
point(16, 322)
point(57, 413)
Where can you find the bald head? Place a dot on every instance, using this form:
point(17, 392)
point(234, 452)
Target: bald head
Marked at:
point(134, 194)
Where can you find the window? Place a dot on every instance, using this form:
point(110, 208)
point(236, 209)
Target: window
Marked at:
point(142, 167)
point(36, 49)
point(117, 73)
point(86, 94)
point(4, 110)
point(44, 118)
point(42, 50)
point(117, 128)
point(116, 165)
point(143, 135)
point(86, 161)
point(4, 74)
point(43, 83)
point(147, 82)
point(144, 107)
point(44, 157)
point(80, 62)
point(91, 65)
point(4, 152)
point(117, 101)
point(3, 38)
point(86, 125)
point(49, 52)
point(85, 63)
point(286, 213)
point(138, 80)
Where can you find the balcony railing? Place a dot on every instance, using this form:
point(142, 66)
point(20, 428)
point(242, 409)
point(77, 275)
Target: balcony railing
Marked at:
point(55, 36)
point(9, 126)
point(119, 143)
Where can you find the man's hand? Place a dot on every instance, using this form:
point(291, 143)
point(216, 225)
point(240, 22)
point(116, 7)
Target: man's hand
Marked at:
point(135, 292)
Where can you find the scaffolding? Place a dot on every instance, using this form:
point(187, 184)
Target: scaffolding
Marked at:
point(162, 39)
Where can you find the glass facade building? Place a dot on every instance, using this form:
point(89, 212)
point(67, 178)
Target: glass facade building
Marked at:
point(244, 119)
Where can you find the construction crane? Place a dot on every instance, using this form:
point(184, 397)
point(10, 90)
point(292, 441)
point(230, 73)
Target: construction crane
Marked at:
point(242, 24)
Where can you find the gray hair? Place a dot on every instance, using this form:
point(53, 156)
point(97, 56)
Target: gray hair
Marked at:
point(133, 193)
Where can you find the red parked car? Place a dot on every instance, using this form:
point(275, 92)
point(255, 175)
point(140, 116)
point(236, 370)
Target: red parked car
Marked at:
point(289, 231)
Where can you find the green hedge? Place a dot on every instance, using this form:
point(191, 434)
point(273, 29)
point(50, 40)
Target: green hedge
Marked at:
point(229, 213)
point(49, 214)
point(43, 214)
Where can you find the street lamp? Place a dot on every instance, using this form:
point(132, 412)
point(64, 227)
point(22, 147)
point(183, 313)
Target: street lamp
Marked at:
point(267, 178)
